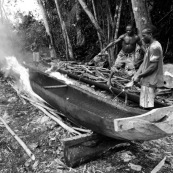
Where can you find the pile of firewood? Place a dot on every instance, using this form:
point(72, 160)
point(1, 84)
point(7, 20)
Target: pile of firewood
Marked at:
point(101, 75)
point(97, 74)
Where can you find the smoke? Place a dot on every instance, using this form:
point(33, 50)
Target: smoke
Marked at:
point(10, 43)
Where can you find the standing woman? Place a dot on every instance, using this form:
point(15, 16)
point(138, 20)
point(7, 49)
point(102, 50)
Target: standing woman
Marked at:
point(36, 54)
point(150, 73)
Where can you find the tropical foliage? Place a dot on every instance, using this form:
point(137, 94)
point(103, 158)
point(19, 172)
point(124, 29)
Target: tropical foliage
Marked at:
point(86, 39)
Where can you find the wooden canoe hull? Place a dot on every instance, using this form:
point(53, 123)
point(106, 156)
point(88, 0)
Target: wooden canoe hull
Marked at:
point(92, 112)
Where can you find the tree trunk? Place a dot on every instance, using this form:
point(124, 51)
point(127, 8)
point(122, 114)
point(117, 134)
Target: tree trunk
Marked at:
point(115, 16)
point(98, 34)
point(118, 20)
point(1, 11)
point(70, 50)
point(142, 17)
point(117, 27)
point(90, 15)
point(64, 31)
point(80, 37)
point(46, 23)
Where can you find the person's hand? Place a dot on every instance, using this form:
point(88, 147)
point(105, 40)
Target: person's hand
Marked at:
point(136, 78)
point(133, 78)
point(129, 84)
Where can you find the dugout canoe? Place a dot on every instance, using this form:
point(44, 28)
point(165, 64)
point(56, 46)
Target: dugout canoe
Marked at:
point(98, 114)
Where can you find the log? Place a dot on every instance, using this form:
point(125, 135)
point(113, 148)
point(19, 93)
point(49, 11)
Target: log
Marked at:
point(76, 140)
point(163, 93)
point(84, 148)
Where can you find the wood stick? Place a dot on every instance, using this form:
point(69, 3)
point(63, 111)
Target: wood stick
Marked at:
point(126, 98)
point(5, 106)
point(44, 106)
point(159, 166)
point(120, 78)
point(85, 68)
point(23, 101)
point(30, 154)
point(71, 130)
point(53, 111)
point(117, 83)
point(101, 81)
point(55, 86)
point(33, 101)
point(56, 116)
point(82, 130)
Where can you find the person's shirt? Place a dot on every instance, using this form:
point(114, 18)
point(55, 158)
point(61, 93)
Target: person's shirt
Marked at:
point(154, 54)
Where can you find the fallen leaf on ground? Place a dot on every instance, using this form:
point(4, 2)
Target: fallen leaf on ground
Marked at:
point(135, 167)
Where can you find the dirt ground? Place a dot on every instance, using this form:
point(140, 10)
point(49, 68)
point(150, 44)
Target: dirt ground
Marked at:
point(43, 135)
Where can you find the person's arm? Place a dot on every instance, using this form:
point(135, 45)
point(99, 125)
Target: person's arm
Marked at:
point(139, 42)
point(114, 42)
point(152, 67)
point(139, 71)
point(31, 47)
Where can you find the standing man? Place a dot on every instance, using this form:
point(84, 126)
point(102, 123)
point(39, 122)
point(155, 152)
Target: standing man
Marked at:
point(36, 54)
point(150, 73)
point(52, 52)
point(127, 54)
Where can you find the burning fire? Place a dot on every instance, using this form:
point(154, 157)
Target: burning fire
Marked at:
point(53, 73)
point(10, 67)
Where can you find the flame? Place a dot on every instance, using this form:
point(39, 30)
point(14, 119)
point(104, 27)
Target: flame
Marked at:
point(53, 73)
point(59, 76)
point(12, 68)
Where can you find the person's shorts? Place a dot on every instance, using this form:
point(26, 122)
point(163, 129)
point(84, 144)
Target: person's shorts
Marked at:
point(124, 59)
point(147, 96)
point(36, 56)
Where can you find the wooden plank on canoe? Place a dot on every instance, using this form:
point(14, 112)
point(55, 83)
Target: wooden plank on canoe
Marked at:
point(55, 86)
